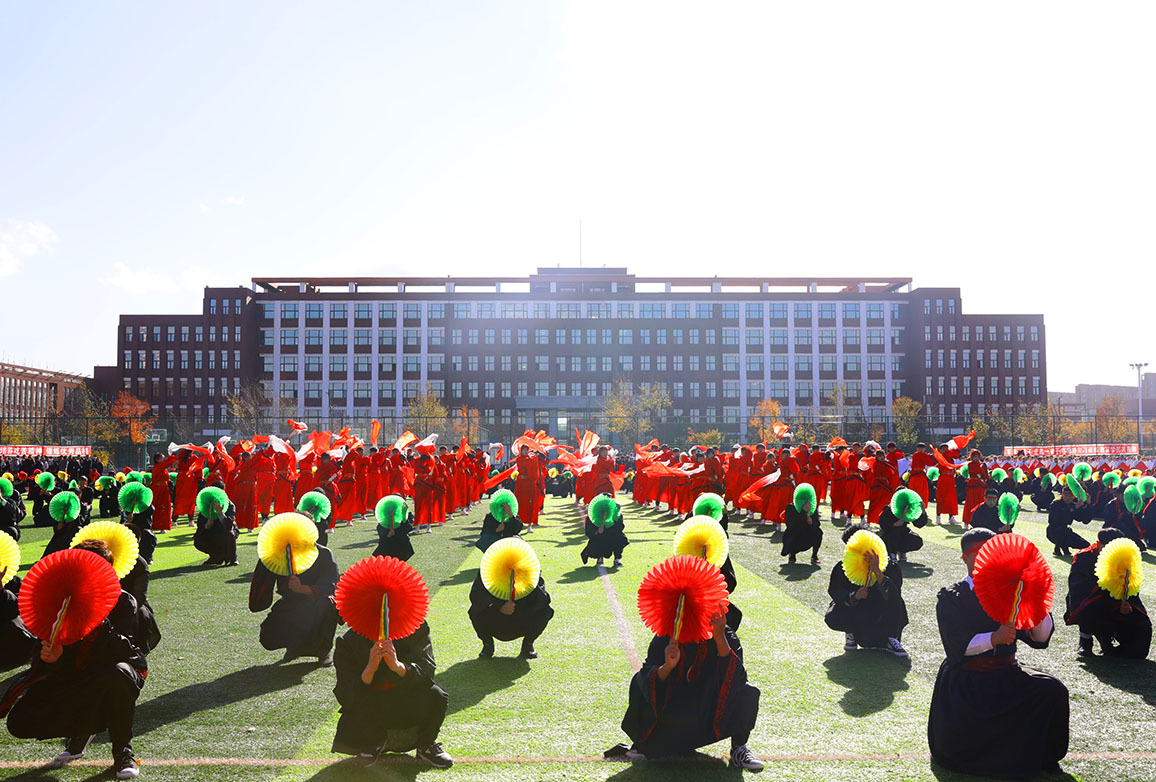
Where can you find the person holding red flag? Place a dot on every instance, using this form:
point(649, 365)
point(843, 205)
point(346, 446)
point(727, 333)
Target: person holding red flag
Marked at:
point(917, 480)
point(977, 475)
point(526, 486)
point(162, 500)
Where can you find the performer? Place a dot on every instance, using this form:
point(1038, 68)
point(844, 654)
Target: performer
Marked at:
point(906, 508)
point(162, 500)
point(428, 488)
point(285, 475)
point(1116, 618)
point(604, 533)
point(188, 468)
point(803, 531)
point(136, 513)
point(394, 524)
point(245, 494)
point(1125, 513)
point(303, 621)
point(1043, 490)
point(921, 460)
point(216, 534)
point(389, 699)
point(501, 522)
point(79, 686)
point(866, 602)
point(1060, 517)
point(68, 515)
point(526, 486)
point(987, 515)
point(317, 506)
point(883, 477)
point(946, 495)
point(495, 612)
point(17, 645)
point(977, 476)
point(981, 689)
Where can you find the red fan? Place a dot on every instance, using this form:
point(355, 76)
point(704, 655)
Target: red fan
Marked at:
point(678, 597)
point(67, 594)
point(1013, 581)
point(382, 596)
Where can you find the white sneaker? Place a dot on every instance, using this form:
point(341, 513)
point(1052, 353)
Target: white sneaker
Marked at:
point(896, 648)
point(742, 758)
point(849, 644)
point(632, 755)
point(618, 562)
point(598, 562)
point(73, 750)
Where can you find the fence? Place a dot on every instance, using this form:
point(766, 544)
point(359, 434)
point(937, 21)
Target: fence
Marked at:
point(107, 437)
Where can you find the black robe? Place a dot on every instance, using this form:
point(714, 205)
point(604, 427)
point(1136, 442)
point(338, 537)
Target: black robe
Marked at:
point(392, 713)
point(109, 507)
point(301, 624)
point(217, 538)
point(990, 715)
point(705, 699)
point(532, 613)
point(1098, 614)
point(1060, 517)
point(11, 514)
point(1043, 498)
point(490, 533)
point(873, 620)
point(64, 532)
point(395, 542)
point(609, 542)
point(987, 517)
point(17, 645)
point(802, 532)
point(897, 536)
point(1116, 515)
point(141, 525)
point(146, 635)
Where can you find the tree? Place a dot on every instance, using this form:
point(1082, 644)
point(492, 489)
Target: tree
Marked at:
point(763, 417)
point(247, 406)
point(425, 414)
point(981, 429)
point(465, 422)
point(635, 414)
point(134, 417)
point(905, 417)
point(1112, 425)
point(711, 438)
point(86, 417)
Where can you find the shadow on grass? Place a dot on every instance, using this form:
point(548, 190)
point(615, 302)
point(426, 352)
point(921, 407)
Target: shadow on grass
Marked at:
point(800, 571)
point(251, 682)
point(579, 575)
point(944, 775)
point(461, 577)
point(1134, 676)
point(180, 570)
point(916, 570)
point(872, 678)
point(470, 681)
point(390, 767)
point(695, 766)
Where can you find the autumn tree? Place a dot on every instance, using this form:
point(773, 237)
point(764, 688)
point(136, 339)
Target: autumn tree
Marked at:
point(711, 438)
point(426, 414)
point(465, 422)
point(905, 413)
point(632, 413)
point(980, 427)
point(1112, 425)
point(134, 417)
point(247, 407)
point(763, 417)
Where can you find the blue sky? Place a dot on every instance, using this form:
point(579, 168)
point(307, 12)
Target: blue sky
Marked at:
point(149, 149)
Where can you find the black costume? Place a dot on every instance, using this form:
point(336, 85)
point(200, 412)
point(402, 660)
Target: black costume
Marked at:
point(1098, 615)
point(604, 541)
point(532, 612)
point(897, 536)
point(11, 514)
point(141, 525)
point(302, 625)
point(17, 645)
point(705, 698)
point(986, 517)
point(1117, 516)
point(493, 531)
point(217, 538)
point(64, 532)
point(1060, 517)
point(979, 699)
point(803, 532)
point(393, 713)
point(394, 542)
point(146, 634)
point(880, 616)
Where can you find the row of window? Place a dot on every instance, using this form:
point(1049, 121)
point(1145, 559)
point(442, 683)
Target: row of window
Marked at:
point(992, 332)
point(340, 311)
point(225, 308)
point(170, 359)
point(188, 333)
point(152, 388)
point(983, 386)
point(992, 359)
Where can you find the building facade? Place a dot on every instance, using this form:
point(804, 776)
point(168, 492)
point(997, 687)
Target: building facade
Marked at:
point(544, 351)
point(29, 393)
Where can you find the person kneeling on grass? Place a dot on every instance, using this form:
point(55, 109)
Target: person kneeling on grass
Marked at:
point(604, 531)
point(1118, 621)
point(867, 602)
point(216, 534)
point(495, 612)
point(803, 531)
point(906, 507)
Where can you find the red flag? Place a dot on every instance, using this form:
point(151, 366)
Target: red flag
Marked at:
point(494, 481)
point(530, 442)
point(780, 429)
point(943, 462)
point(297, 426)
point(835, 443)
point(501, 453)
point(429, 445)
point(960, 442)
point(260, 439)
point(321, 441)
point(407, 438)
point(752, 491)
point(374, 432)
point(464, 449)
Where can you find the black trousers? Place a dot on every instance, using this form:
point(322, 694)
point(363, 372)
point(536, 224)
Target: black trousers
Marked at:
point(74, 707)
point(398, 721)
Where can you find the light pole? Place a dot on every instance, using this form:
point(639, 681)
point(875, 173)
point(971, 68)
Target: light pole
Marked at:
point(1139, 406)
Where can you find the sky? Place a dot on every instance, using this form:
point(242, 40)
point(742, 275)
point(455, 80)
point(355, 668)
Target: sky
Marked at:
point(148, 150)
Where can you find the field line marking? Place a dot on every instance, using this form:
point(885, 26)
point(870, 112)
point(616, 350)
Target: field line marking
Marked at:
point(620, 621)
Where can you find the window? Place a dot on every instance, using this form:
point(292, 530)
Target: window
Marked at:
point(625, 336)
point(184, 333)
point(951, 306)
point(571, 311)
point(754, 338)
point(710, 335)
point(313, 311)
point(212, 334)
point(626, 363)
point(1035, 386)
point(387, 366)
point(966, 333)
point(1035, 333)
point(361, 363)
point(652, 310)
point(875, 311)
point(412, 364)
point(875, 364)
point(212, 306)
point(874, 336)
point(927, 359)
point(951, 333)
point(826, 336)
point(625, 309)
point(939, 306)
point(896, 311)
point(730, 311)
point(313, 364)
point(660, 363)
point(338, 313)
point(803, 364)
point(731, 389)
point(1021, 359)
point(487, 336)
point(362, 337)
point(338, 338)
point(927, 333)
point(979, 385)
point(730, 336)
point(560, 336)
point(644, 363)
point(979, 354)
point(939, 359)
point(711, 364)
point(693, 362)
point(778, 310)
point(184, 358)
point(704, 311)
point(644, 336)
point(979, 333)
point(337, 365)
point(778, 336)
point(991, 333)
point(1007, 333)
point(852, 364)
point(754, 311)
point(730, 362)
point(967, 359)
point(939, 333)
point(802, 337)
point(680, 310)
point(388, 337)
point(967, 385)
point(826, 312)
point(472, 336)
point(597, 310)
point(951, 360)
point(1007, 360)
point(755, 364)
point(660, 337)
point(288, 337)
point(826, 364)
point(851, 337)
point(802, 311)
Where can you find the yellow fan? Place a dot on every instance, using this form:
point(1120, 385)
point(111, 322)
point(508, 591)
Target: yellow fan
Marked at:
point(119, 539)
point(855, 563)
point(1135, 473)
point(1119, 569)
point(9, 558)
point(287, 544)
point(702, 536)
point(510, 561)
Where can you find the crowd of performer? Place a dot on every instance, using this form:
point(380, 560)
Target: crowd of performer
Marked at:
point(692, 689)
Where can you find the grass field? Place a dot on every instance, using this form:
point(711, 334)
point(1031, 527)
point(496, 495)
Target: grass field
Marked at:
point(218, 706)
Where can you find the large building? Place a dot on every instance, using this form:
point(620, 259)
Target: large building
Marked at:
point(31, 393)
point(544, 351)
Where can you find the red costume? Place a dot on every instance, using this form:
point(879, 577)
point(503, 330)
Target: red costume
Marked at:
point(188, 476)
point(917, 481)
point(526, 488)
point(162, 502)
point(246, 493)
point(286, 473)
point(976, 487)
point(882, 477)
point(427, 491)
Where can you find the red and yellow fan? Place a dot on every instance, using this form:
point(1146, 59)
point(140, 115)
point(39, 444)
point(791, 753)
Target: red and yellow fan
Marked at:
point(66, 595)
point(510, 567)
point(1013, 581)
point(678, 597)
point(855, 565)
point(120, 541)
point(702, 536)
point(382, 597)
point(1120, 569)
point(287, 544)
point(9, 558)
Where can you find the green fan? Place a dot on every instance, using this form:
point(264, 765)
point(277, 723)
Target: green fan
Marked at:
point(212, 502)
point(64, 507)
point(134, 477)
point(6, 488)
point(104, 481)
point(1047, 481)
point(963, 471)
point(147, 478)
point(1008, 508)
point(709, 504)
point(391, 511)
point(134, 497)
point(1110, 479)
point(1133, 500)
point(933, 473)
point(568, 475)
point(1077, 488)
point(999, 475)
point(46, 481)
point(907, 505)
point(1082, 471)
point(1147, 486)
point(503, 505)
point(603, 511)
point(493, 473)
point(204, 473)
point(173, 476)
point(1018, 475)
point(804, 500)
point(316, 505)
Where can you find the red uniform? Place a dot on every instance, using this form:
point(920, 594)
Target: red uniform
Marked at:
point(427, 491)
point(285, 466)
point(266, 477)
point(976, 487)
point(526, 488)
point(162, 502)
point(917, 481)
point(882, 477)
point(738, 476)
point(347, 503)
point(782, 491)
point(246, 494)
point(188, 476)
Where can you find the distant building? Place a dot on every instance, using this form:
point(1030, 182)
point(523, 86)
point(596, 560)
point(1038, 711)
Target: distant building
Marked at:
point(28, 392)
point(543, 351)
point(1088, 398)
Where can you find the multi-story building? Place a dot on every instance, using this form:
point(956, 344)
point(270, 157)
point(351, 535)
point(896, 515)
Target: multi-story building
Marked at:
point(29, 393)
point(543, 351)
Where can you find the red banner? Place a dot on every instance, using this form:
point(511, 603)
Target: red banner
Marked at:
point(1116, 449)
point(45, 450)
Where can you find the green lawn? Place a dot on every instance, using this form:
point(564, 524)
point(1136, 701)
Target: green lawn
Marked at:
point(218, 706)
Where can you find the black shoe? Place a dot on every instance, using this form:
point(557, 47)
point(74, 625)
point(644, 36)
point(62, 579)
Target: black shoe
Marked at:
point(435, 756)
point(325, 661)
point(791, 559)
point(1086, 648)
point(289, 656)
point(210, 562)
point(126, 766)
point(528, 652)
point(1056, 551)
point(741, 757)
point(487, 649)
point(73, 750)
